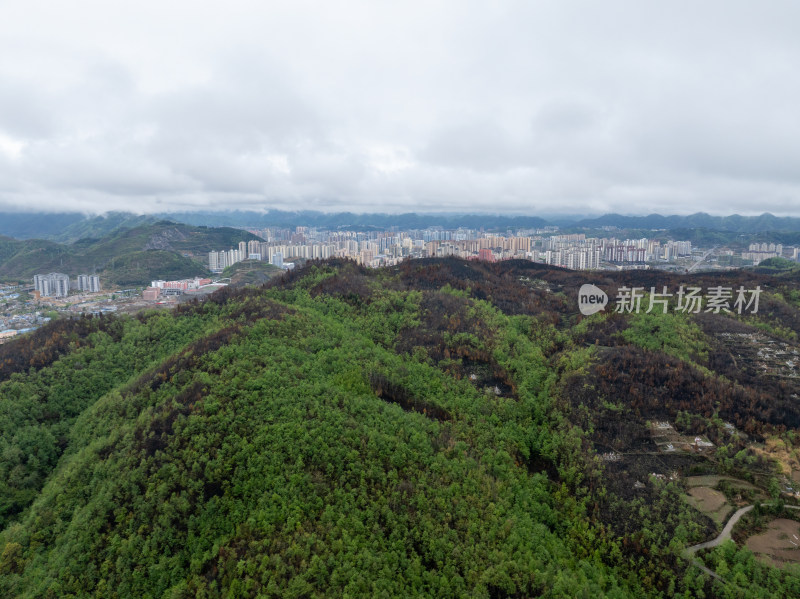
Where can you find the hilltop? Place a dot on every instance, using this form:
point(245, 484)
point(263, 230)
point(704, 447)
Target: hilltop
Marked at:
point(442, 428)
point(126, 256)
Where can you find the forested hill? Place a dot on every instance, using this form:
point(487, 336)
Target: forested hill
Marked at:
point(67, 227)
point(735, 223)
point(438, 429)
point(126, 256)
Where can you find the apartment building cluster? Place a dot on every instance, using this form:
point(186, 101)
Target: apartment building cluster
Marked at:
point(574, 251)
point(376, 251)
point(56, 284)
point(373, 249)
point(488, 247)
point(643, 250)
point(758, 252)
point(268, 252)
point(578, 252)
point(384, 248)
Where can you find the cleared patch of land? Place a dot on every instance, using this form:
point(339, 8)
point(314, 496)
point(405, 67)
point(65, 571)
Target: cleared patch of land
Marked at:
point(779, 544)
point(710, 502)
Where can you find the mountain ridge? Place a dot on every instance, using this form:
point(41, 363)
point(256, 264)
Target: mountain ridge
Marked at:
point(24, 226)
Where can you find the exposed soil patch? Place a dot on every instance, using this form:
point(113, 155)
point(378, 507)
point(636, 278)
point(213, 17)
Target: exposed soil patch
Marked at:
point(710, 502)
point(779, 545)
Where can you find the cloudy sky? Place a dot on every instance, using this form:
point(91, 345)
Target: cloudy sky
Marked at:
point(533, 107)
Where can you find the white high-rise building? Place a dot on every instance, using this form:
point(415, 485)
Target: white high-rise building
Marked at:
point(213, 261)
point(54, 284)
point(89, 283)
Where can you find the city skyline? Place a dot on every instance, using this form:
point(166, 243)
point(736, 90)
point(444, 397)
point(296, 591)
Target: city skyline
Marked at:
point(574, 251)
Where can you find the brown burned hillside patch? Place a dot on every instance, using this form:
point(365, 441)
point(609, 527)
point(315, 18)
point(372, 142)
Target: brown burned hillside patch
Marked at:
point(253, 309)
point(537, 463)
point(220, 297)
point(348, 284)
point(44, 346)
point(234, 302)
point(450, 331)
point(292, 278)
point(625, 394)
point(777, 312)
point(177, 367)
point(569, 282)
point(606, 332)
point(524, 287)
point(443, 316)
point(656, 386)
point(501, 283)
point(398, 394)
point(615, 429)
point(631, 485)
point(631, 461)
point(745, 354)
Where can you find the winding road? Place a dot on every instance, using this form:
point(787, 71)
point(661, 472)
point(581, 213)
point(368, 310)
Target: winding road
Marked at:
point(723, 536)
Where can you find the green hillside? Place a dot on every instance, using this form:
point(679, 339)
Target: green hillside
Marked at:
point(126, 256)
point(430, 430)
point(96, 227)
point(777, 265)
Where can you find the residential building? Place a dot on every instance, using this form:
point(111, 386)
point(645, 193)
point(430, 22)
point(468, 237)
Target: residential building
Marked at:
point(55, 284)
point(89, 283)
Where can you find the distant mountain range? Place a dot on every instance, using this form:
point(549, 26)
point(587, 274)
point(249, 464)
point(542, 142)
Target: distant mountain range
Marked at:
point(69, 227)
point(129, 249)
point(349, 220)
point(735, 223)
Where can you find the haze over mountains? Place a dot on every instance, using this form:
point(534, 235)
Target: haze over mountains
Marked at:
point(71, 226)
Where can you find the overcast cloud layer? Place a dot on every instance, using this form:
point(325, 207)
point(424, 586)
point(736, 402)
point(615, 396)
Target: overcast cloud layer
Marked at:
point(518, 107)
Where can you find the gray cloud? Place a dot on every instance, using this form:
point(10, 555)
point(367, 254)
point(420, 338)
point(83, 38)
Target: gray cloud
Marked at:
point(510, 106)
